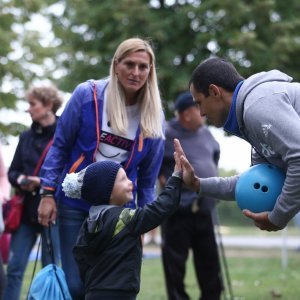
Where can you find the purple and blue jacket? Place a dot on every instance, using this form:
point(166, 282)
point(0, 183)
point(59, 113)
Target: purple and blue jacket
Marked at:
point(77, 139)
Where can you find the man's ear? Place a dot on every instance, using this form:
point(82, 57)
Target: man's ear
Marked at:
point(214, 90)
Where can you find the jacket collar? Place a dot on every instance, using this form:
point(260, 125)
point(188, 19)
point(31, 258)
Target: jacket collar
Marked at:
point(231, 125)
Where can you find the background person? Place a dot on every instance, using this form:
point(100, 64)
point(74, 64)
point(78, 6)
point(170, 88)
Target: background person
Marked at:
point(118, 118)
point(4, 184)
point(192, 224)
point(4, 195)
point(264, 110)
point(43, 103)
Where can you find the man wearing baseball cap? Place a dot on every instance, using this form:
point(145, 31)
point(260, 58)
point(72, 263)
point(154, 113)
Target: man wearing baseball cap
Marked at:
point(191, 226)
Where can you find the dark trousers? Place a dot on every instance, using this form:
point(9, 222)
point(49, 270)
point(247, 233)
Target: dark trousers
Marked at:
point(184, 231)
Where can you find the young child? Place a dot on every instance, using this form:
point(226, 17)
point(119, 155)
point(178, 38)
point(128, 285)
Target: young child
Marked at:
point(109, 247)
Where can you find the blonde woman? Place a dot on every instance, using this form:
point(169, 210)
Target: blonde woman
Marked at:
point(118, 118)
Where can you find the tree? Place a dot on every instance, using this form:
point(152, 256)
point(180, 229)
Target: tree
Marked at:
point(16, 56)
point(255, 35)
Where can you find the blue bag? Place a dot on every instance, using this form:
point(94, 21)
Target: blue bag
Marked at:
point(49, 283)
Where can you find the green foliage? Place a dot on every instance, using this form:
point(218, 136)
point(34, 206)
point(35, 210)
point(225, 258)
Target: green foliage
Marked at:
point(255, 35)
point(16, 72)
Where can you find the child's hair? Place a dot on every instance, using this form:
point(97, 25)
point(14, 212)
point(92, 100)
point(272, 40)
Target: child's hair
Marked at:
point(94, 183)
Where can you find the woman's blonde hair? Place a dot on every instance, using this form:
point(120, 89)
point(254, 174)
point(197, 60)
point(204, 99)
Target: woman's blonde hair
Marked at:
point(149, 100)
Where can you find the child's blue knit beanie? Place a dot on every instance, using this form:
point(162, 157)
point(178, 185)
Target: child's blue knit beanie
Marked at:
point(94, 183)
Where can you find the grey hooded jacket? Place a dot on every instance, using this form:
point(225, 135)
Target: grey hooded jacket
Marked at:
point(268, 114)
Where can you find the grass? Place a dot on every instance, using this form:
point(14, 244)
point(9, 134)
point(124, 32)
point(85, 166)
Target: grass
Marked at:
point(255, 274)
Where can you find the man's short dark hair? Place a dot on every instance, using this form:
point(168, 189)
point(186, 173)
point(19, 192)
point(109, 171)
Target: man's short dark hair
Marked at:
point(216, 71)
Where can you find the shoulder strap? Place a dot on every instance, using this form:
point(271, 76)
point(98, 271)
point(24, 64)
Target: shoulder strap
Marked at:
point(41, 160)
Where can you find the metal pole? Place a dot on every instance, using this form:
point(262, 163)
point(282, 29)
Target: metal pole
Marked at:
point(227, 281)
point(284, 252)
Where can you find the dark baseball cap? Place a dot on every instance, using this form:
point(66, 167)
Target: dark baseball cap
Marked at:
point(184, 101)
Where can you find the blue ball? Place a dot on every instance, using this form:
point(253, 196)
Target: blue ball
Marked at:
point(259, 187)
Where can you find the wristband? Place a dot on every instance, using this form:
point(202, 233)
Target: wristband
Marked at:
point(48, 193)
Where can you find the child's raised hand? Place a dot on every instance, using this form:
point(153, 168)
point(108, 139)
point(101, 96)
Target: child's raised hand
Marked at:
point(177, 167)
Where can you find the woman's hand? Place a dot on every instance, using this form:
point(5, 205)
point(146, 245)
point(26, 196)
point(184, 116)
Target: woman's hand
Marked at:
point(47, 211)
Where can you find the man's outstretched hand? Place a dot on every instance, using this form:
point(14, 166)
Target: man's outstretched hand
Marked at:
point(189, 178)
